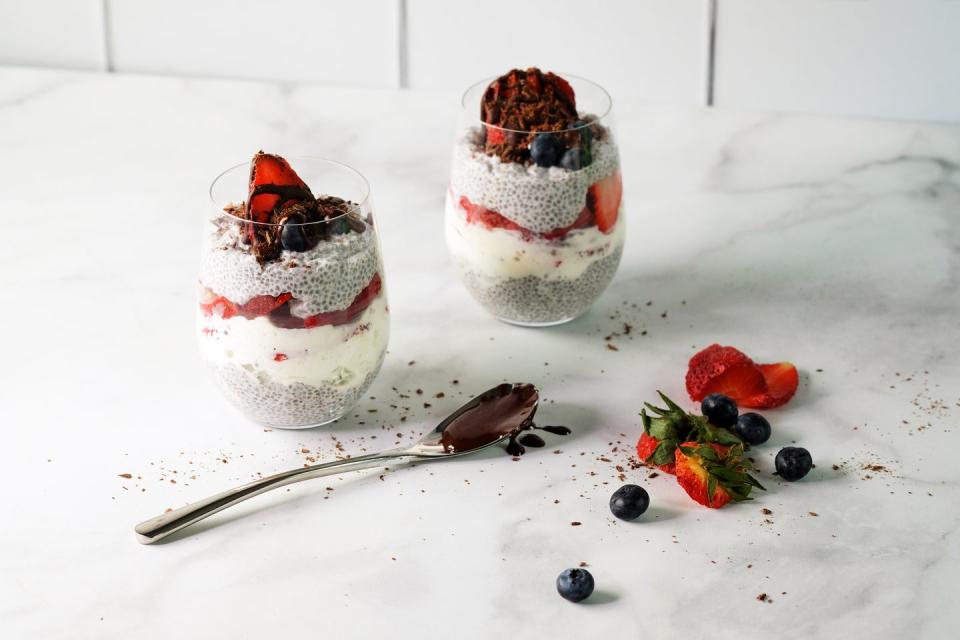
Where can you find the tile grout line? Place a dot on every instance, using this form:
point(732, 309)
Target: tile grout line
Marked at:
point(107, 36)
point(711, 51)
point(402, 79)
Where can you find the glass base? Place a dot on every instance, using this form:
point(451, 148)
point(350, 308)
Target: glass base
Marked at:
point(295, 427)
point(534, 325)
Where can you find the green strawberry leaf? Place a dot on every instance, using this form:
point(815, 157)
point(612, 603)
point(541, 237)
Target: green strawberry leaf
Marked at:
point(664, 453)
point(711, 487)
point(662, 430)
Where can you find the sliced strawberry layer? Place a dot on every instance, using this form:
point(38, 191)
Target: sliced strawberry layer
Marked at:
point(782, 381)
point(277, 308)
point(490, 219)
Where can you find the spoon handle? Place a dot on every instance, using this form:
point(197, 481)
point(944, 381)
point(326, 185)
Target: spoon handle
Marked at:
point(158, 528)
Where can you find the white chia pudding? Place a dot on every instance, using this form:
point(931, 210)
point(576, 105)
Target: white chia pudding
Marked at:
point(534, 245)
point(295, 338)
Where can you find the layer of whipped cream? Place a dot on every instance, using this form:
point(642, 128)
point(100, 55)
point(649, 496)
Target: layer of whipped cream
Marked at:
point(339, 355)
point(537, 198)
point(499, 253)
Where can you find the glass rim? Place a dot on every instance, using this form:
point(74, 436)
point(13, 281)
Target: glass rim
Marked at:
point(354, 207)
point(486, 82)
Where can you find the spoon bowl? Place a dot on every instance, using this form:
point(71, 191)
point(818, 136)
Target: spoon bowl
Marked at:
point(495, 415)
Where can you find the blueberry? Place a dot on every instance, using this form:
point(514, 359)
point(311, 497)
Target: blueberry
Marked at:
point(339, 226)
point(575, 584)
point(753, 428)
point(720, 410)
point(292, 236)
point(545, 150)
point(584, 130)
point(574, 159)
point(629, 501)
point(793, 463)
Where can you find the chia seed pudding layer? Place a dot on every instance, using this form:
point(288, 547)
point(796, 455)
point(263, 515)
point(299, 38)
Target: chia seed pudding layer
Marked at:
point(537, 300)
point(295, 405)
point(325, 278)
point(540, 199)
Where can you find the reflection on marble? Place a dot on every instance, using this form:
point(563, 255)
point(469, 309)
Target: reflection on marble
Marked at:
point(833, 243)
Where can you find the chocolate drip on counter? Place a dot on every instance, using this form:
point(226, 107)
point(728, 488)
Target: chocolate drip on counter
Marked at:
point(516, 445)
point(532, 440)
point(560, 431)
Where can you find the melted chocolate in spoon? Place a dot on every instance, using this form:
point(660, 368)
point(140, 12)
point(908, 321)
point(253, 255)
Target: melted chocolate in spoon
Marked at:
point(504, 410)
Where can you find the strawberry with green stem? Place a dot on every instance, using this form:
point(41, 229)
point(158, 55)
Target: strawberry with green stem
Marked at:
point(667, 428)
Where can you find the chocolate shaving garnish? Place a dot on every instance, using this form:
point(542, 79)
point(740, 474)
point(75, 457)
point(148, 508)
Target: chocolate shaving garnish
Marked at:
point(522, 104)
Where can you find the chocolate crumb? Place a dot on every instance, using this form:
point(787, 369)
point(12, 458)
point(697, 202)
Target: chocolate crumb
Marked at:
point(575, 524)
point(813, 513)
point(612, 347)
point(766, 511)
point(125, 475)
point(762, 597)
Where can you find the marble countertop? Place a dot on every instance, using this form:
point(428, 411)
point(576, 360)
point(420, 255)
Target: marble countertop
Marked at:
point(829, 242)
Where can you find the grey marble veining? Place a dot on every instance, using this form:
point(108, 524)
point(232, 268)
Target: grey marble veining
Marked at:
point(833, 243)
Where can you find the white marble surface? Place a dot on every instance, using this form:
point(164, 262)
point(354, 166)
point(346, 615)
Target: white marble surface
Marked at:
point(833, 243)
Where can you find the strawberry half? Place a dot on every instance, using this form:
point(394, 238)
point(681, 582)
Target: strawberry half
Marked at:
point(781, 380)
point(603, 197)
point(726, 370)
point(713, 474)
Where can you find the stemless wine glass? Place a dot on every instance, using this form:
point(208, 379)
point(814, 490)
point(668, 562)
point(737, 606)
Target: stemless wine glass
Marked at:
point(536, 245)
point(294, 338)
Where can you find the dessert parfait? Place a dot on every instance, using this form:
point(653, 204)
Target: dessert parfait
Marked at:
point(533, 216)
point(293, 318)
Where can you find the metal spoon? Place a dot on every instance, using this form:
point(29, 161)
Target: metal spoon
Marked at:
point(476, 413)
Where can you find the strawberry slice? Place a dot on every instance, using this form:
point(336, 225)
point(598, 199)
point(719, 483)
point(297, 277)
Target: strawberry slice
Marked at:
point(478, 214)
point(262, 305)
point(603, 197)
point(272, 178)
point(495, 135)
point(343, 316)
point(781, 380)
point(564, 87)
point(211, 304)
point(726, 370)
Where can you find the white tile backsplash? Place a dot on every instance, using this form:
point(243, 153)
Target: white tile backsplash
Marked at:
point(887, 58)
point(350, 43)
point(651, 50)
point(52, 33)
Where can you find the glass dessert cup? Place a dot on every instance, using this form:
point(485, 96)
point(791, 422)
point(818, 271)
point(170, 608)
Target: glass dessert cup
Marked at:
point(536, 240)
point(293, 335)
